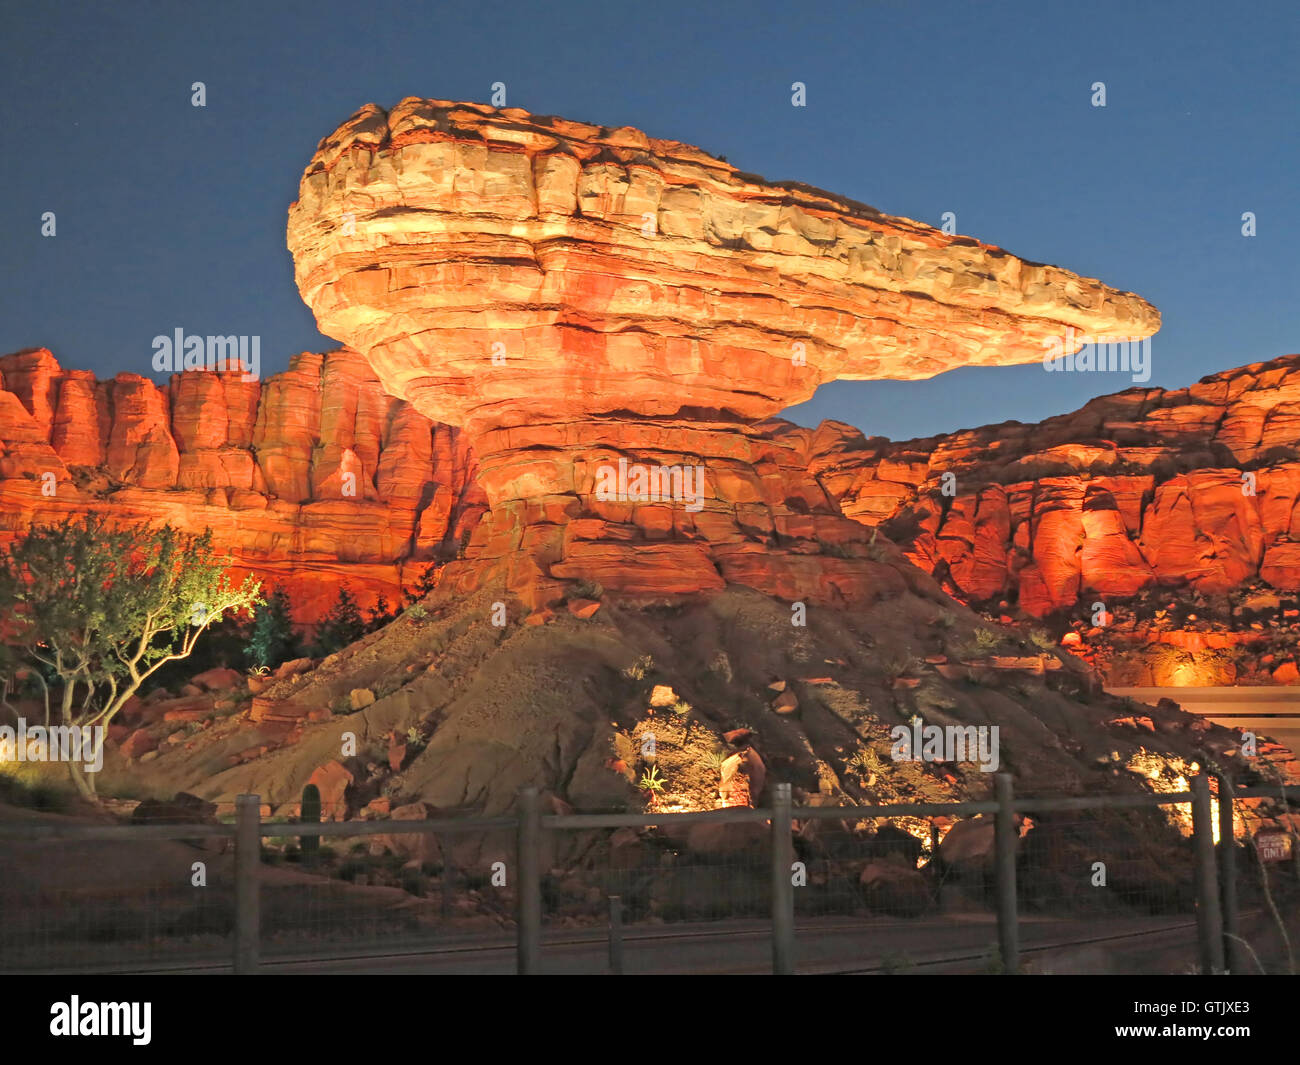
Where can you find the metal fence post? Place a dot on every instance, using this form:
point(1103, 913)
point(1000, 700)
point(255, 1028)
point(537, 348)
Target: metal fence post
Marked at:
point(1228, 877)
point(248, 861)
point(529, 916)
point(1209, 922)
point(616, 935)
point(782, 882)
point(1004, 846)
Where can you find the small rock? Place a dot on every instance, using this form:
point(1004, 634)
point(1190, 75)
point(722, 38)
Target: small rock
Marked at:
point(380, 807)
point(332, 780)
point(138, 744)
point(219, 679)
point(293, 667)
point(662, 696)
point(583, 608)
point(786, 703)
point(360, 698)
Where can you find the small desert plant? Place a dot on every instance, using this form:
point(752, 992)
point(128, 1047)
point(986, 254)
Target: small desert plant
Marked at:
point(866, 763)
point(639, 669)
point(416, 612)
point(681, 707)
point(945, 619)
point(586, 589)
point(1042, 639)
point(715, 758)
point(981, 644)
point(899, 665)
point(415, 739)
point(651, 783)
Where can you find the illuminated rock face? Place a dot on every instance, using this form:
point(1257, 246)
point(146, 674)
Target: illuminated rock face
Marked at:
point(311, 479)
point(574, 296)
point(1194, 487)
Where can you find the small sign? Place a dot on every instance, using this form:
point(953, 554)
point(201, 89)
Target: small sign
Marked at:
point(1273, 846)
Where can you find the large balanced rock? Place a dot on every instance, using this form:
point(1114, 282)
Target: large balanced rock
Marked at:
point(579, 297)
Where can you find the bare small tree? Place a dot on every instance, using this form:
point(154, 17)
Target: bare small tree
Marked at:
point(95, 610)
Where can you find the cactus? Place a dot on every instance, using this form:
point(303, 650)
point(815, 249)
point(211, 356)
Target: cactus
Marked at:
point(311, 816)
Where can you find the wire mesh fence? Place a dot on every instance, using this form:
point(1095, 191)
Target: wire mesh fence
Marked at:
point(1099, 884)
point(94, 904)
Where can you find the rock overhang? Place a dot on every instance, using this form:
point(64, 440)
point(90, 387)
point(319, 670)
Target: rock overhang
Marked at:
point(574, 295)
point(422, 232)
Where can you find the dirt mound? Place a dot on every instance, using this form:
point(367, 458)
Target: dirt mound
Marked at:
point(466, 712)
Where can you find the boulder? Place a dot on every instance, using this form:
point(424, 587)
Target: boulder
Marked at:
point(889, 886)
point(332, 780)
point(218, 680)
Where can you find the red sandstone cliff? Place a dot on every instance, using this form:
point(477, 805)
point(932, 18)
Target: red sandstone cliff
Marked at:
point(1137, 489)
point(311, 478)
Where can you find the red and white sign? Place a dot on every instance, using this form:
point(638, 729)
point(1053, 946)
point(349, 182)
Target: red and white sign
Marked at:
point(1273, 846)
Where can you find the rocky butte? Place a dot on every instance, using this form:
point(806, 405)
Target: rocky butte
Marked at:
point(1194, 488)
point(312, 479)
point(573, 295)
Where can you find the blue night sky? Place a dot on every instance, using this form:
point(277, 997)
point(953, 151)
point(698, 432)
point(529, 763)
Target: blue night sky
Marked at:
point(170, 215)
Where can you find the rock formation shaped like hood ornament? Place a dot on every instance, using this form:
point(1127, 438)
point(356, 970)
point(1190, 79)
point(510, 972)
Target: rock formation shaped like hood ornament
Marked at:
point(606, 313)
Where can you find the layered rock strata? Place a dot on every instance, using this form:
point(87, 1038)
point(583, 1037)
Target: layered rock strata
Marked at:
point(311, 479)
point(1192, 488)
point(583, 300)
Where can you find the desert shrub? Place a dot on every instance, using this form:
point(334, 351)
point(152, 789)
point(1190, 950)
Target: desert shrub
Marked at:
point(899, 665)
point(586, 589)
point(980, 644)
point(1042, 639)
point(640, 669)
